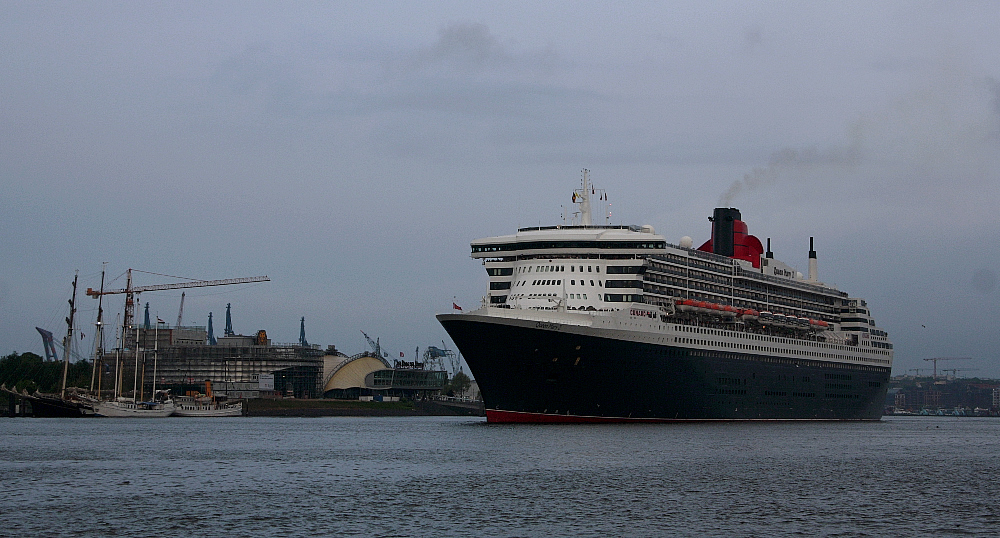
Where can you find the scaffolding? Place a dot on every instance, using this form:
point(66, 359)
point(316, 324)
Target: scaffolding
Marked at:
point(184, 367)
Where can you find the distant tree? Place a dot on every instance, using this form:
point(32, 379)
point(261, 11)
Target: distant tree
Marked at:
point(459, 384)
point(30, 372)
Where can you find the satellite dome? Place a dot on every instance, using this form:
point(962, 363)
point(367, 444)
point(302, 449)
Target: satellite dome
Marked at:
point(646, 228)
point(687, 242)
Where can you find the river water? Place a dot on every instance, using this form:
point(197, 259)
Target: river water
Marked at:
point(446, 476)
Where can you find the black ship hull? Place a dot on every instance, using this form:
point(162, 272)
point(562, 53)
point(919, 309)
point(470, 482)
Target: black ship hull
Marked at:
point(537, 373)
point(55, 407)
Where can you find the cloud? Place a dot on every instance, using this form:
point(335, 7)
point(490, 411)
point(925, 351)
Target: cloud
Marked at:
point(932, 155)
point(466, 48)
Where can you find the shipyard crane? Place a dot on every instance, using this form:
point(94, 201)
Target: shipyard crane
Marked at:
point(936, 359)
point(377, 349)
point(434, 357)
point(180, 311)
point(453, 358)
point(130, 291)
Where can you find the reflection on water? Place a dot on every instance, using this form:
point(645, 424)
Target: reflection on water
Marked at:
point(458, 477)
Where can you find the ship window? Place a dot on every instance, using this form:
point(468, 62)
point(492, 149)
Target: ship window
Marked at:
point(581, 268)
point(597, 268)
point(558, 282)
point(571, 268)
point(588, 268)
point(591, 282)
point(572, 282)
point(584, 295)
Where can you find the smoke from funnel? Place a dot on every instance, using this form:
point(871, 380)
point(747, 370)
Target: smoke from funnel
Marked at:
point(786, 160)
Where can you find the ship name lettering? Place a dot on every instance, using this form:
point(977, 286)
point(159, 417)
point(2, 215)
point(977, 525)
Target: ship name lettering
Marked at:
point(544, 325)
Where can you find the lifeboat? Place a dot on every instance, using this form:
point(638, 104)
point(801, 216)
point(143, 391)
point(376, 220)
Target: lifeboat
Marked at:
point(728, 311)
point(766, 317)
point(779, 320)
point(685, 305)
point(750, 314)
point(818, 325)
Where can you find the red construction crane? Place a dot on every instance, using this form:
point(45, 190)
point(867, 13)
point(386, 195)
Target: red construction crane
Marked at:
point(130, 291)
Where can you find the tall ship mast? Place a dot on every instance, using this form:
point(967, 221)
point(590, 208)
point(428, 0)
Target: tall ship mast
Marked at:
point(612, 323)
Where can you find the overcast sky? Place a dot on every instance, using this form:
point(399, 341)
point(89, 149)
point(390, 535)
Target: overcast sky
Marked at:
point(351, 152)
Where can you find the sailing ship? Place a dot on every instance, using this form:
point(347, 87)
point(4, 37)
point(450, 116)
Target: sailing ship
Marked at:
point(70, 402)
point(161, 406)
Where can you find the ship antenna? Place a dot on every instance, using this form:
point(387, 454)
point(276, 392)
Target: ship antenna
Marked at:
point(584, 200)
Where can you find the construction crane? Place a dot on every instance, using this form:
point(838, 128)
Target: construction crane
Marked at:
point(955, 371)
point(916, 371)
point(130, 291)
point(936, 359)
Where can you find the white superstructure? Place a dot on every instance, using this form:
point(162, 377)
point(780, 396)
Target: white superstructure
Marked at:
point(630, 280)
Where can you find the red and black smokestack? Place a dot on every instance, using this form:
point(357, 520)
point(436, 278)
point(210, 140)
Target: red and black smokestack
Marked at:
point(731, 238)
point(723, 220)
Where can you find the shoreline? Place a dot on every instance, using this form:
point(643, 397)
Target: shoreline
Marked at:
point(355, 408)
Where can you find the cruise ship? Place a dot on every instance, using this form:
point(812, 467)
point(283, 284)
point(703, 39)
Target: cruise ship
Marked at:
point(609, 323)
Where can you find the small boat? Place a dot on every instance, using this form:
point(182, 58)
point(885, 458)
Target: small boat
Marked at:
point(162, 406)
point(206, 406)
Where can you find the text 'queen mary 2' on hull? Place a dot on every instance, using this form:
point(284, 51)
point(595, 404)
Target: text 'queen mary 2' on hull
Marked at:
point(602, 323)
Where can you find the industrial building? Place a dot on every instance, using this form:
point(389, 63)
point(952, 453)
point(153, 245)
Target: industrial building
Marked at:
point(182, 358)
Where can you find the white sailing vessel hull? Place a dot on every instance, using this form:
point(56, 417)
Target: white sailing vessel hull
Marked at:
point(221, 410)
point(134, 410)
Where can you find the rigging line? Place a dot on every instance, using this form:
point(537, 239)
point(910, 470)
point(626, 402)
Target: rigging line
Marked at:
point(233, 289)
point(116, 278)
point(168, 276)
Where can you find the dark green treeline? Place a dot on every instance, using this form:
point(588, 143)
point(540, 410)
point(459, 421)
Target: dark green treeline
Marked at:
point(30, 372)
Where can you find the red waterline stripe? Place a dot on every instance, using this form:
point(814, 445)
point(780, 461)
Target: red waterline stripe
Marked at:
point(518, 417)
